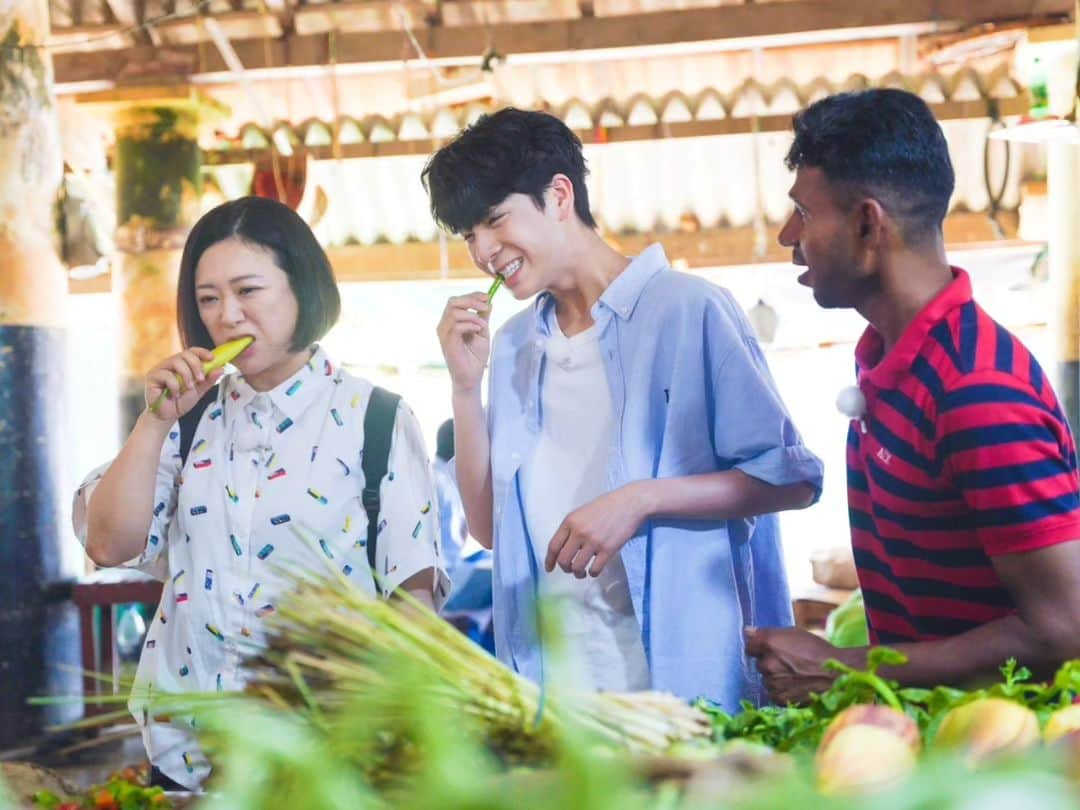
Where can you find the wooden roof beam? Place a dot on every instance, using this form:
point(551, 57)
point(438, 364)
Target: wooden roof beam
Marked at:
point(762, 20)
point(129, 13)
point(708, 247)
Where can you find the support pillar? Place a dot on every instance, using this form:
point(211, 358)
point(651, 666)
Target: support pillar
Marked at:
point(1063, 179)
point(158, 186)
point(37, 640)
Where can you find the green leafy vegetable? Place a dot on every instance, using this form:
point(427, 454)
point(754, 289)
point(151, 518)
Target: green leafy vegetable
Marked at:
point(846, 626)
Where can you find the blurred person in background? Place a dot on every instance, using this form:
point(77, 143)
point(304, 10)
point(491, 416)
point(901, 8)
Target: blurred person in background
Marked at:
point(467, 562)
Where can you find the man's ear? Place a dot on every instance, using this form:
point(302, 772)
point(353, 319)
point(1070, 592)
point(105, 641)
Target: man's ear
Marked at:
point(561, 193)
point(871, 222)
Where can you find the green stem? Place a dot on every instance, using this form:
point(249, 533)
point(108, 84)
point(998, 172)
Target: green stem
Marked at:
point(883, 690)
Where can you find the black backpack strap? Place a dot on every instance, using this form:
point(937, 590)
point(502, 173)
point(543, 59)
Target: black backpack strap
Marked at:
point(189, 422)
point(378, 432)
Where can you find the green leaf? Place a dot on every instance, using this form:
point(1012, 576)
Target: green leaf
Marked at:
point(1013, 675)
point(46, 799)
point(884, 656)
point(846, 626)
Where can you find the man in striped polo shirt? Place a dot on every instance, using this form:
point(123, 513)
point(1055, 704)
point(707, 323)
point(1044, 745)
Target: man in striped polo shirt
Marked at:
point(962, 471)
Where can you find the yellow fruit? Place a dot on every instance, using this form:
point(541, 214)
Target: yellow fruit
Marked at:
point(226, 353)
point(883, 717)
point(1062, 722)
point(987, 727)
point(861, 759)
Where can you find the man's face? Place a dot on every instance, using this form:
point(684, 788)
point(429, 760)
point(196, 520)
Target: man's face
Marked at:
point(518, 241)
point(823, 239)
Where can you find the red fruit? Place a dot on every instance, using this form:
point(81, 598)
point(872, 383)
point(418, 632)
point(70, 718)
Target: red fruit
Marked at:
point(862, 759)
point(882, 717)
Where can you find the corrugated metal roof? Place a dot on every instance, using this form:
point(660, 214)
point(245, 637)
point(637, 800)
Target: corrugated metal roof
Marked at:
point(638, 185)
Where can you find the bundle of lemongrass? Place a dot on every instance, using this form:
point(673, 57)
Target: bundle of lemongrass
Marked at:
point(366, 674)
point(330, 643)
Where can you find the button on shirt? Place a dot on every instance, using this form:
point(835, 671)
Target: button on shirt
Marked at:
point(224, 530)
point(690, 394)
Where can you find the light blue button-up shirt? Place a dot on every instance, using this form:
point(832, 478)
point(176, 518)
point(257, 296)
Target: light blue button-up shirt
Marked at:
point(691, 394)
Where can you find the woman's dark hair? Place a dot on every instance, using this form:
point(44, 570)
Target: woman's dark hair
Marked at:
point(882, 143)
point(280, 231)
point(508, 152)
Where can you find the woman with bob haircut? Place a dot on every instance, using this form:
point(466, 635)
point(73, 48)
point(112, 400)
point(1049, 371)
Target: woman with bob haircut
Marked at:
point(274, 462)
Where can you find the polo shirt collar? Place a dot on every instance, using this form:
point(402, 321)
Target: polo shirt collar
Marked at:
point(885, 372)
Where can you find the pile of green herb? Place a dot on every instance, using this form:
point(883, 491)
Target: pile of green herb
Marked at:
point(799, 728)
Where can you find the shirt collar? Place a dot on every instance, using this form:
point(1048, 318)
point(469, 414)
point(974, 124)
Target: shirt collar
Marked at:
point(621, 295)
point(885, 372)
point(294, 395)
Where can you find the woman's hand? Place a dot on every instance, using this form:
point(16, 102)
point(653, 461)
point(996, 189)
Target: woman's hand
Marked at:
point(466, 343)
point(183, 377)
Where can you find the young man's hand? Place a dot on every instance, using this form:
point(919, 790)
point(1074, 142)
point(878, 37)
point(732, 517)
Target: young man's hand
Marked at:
point(789, 660)
point(592, 534)
point(465, 340)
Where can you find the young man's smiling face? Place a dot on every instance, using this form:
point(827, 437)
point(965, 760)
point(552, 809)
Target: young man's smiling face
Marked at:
point(520, 242)
point(823, 238)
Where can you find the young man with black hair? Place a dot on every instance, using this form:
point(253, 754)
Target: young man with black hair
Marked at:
point(962, 473)
point(634, 446)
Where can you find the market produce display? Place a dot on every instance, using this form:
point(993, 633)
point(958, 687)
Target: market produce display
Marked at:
point(866, 732)
point(359, 702)
point(331, 643)
point(126, 790)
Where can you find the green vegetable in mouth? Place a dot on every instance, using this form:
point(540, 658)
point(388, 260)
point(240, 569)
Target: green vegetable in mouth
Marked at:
point(225, 353)
point(494, 288)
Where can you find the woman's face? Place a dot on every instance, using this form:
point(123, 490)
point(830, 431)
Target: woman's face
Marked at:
point(241, 291)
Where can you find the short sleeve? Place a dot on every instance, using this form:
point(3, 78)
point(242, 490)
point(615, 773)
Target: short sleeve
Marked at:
point(1010, 454)
point(408, 539)
point(752, 430)
point(164, 508)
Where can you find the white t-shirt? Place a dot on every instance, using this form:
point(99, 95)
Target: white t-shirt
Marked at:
point(603, 648)
point(222, 533)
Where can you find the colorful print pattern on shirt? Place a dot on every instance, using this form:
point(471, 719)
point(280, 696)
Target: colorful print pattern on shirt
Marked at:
point(227, 524)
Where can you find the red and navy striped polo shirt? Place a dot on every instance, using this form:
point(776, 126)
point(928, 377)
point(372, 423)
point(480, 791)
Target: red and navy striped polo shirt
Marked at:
point(964, 453)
